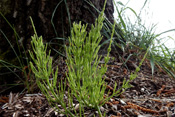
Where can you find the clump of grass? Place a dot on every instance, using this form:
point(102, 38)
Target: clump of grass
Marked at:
point(140, 38)
point(20, 65)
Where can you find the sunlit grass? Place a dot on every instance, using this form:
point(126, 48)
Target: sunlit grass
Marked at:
point(140, 37)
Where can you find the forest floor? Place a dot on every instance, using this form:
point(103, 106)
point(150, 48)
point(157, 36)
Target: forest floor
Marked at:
point(148, 97)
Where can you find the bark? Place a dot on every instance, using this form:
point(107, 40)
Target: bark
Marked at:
point(18, 12)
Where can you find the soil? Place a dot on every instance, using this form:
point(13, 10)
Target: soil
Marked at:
point(149, 96)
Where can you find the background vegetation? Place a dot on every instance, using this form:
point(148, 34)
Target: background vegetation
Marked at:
point(127, 41)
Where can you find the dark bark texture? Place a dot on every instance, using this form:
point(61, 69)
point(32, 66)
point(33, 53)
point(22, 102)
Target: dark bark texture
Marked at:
point(18, 12)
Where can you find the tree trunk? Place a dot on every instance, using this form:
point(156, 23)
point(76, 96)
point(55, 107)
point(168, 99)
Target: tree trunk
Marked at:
point(18, 12)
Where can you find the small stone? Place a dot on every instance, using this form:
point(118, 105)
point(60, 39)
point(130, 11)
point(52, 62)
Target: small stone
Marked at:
point(77, 107)
point(122, 102)
point(102, 109)
point(142, 90)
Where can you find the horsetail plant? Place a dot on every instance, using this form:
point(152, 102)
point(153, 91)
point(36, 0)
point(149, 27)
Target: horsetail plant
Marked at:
point(85, 76)
point(43, 70)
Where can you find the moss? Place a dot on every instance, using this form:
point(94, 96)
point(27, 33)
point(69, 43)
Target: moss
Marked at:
point(5, 6)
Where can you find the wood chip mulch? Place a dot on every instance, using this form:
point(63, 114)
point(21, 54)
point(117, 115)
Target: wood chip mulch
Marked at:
point(150, 96)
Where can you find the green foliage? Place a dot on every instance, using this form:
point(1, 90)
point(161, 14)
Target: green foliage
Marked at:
point(43, 71)
point(165, 59)
point(141, 38)
point(85, 76)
